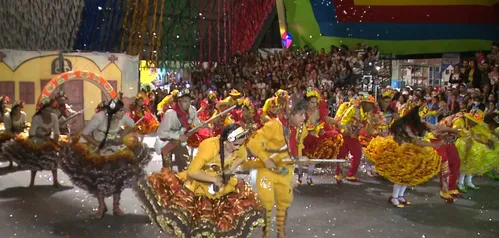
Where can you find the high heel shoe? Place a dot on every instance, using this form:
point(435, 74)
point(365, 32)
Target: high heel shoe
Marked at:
point(404, 201)
point(447, 197)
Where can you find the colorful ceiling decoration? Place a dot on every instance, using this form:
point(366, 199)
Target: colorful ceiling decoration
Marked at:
point(39, 24)
point(397, 26)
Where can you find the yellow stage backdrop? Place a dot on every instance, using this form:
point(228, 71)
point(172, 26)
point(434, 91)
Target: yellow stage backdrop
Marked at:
point(28, 71)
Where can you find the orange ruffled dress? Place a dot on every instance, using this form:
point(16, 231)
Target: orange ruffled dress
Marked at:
point(406, 163)
point(203, 133)
point(185, 208)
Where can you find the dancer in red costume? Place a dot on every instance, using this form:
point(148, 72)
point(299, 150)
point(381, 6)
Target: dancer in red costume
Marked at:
point(166, 103)
point(323, 140)
point(224, 120)
point(246, 116)
point(352, 121)
point(205, 112)
point(273, 106)
point(139, 112)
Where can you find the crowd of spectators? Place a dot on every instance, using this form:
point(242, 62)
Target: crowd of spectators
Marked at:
point(336, 73)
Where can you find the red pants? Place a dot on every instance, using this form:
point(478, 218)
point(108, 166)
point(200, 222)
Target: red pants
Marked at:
point(450, 166)
point(353, 146)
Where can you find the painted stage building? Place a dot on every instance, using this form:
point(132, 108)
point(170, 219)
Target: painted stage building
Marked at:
point(85, 78)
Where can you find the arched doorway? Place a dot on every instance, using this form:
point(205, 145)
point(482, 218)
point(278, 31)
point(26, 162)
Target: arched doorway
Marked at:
point(73, 83)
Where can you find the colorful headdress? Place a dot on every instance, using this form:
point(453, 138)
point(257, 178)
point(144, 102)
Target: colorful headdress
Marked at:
point(246, 102)
point(389, 93)
point(313, 92)
point(212, 95)
point(369, 98)
point(281, 93)
point(222, 103)
point(476, 116)
point(174, 92)
point(423, 109)
point(234, 93)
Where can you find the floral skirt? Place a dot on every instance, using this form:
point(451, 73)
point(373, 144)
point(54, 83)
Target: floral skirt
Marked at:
point(30, 155)
point(148, 125)
point(405, 164)
point(325, 146)
point(199, 136)
point(175, 209)
point(103, 175)
point(478, 159)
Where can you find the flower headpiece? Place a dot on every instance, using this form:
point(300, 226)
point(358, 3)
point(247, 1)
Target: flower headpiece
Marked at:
point(476, 117)
point(234, 93)
point(281, 93)
point(313, 92)
point(212, 95)
point(247, 103)
point(368, 98)
point(389, 93)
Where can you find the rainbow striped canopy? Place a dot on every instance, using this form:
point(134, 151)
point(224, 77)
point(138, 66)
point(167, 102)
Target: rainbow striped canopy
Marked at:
point(396, 26)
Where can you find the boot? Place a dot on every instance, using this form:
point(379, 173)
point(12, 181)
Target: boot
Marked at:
point(116, 205)
point(266, 228)
point(102, 208)
point(281, 216)
point(32, 181)
point(54, 176)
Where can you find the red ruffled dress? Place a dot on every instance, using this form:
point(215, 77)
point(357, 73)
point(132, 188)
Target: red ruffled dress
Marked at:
point(203, 133)
point(323, 141)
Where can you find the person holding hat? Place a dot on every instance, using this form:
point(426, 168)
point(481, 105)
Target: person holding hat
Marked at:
point(478, 150)
point(206, 200)
point(176, 122)
point(37, 151)
point(278, 139)
point(107, 158)
point(323, 140)
point(274, 105)
point(63, 111)
point(14, 123)
point(166, 103)
point(355, 118)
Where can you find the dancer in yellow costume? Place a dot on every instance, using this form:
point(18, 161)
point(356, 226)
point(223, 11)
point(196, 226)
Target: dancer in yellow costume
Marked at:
point(273, 106)
point(165, 104)
point(278, 139)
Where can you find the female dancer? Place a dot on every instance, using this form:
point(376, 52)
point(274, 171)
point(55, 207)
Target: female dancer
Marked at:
point(37, 152)
point(14, 123)
point(206, 200)
point(405, 159)
point(103, 163)
point(139, 112)
point(478, 150)
point(323, 140)
point(246, 116)
point(274, 106)
point(3, 107)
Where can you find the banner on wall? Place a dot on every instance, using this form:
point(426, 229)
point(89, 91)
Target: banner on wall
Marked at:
point(158, 76)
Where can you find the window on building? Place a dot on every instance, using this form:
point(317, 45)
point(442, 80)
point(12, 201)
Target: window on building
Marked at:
point(113, 83)
point(27, 92)
point(7, 88)
point(44, 82)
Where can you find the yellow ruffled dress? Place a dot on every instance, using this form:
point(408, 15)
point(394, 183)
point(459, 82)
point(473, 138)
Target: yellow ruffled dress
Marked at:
point(478, 158)
point(405, 164)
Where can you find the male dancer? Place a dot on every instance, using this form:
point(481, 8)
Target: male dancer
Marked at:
point(278, 139)
point(63, 112)
point(176, 122)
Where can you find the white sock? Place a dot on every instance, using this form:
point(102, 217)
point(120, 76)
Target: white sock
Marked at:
point(469, 180)
point(396, 190)
point(461, 178)
point(402, 190)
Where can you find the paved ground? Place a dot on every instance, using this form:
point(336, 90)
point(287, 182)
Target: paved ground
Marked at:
point(326, 210)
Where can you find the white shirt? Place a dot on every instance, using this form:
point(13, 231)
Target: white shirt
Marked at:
point(41, 129)
point(98, 124)
point(171, 128)
point(16, 124)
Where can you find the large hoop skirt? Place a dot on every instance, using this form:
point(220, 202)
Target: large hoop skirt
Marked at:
point(324, 146)
point(477, 158)
point(177, 210)
point(104, 175)
point(405, 164)
point(32, 154)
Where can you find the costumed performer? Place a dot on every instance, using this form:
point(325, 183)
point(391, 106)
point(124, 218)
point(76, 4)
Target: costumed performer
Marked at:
point(4, 100)
point(224, 120)
point(139, 112)
point(37, 151)
point(63, 111)
point(205, 112)
point(166, 103)
point(492, 119)
point(273, 106)
point(478, 150)
point(14, 123)
point(178, 120)
point(206, 200)
point(103, 161)
point(405, 159)
point(323, 140)
point(278, 139)
point(247, 116)
point(355, 118)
